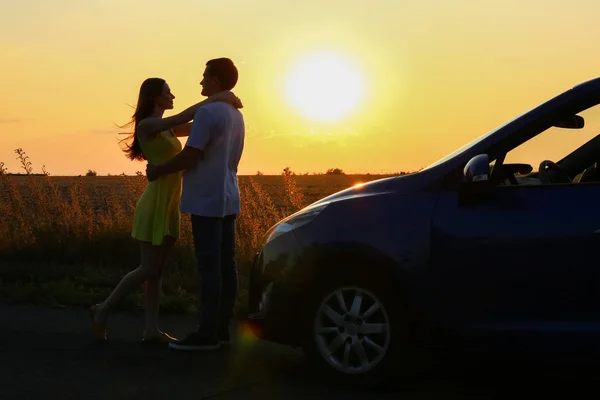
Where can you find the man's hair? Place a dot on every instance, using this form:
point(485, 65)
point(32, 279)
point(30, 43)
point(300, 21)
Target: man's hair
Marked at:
point(225, 70)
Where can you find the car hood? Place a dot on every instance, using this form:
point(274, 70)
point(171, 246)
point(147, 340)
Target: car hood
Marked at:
point(404, 183)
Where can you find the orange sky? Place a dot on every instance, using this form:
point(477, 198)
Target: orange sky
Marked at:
point(436, 74)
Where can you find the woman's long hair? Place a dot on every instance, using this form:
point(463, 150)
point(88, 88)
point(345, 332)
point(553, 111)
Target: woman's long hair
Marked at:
point(150, 89)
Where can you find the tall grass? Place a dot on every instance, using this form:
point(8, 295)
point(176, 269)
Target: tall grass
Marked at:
point(70, 231)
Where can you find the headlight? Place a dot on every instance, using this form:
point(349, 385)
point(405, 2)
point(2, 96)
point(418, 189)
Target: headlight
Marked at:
point(294, 221)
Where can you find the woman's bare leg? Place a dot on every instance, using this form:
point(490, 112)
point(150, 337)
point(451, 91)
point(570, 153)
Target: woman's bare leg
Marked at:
point(148, 269)
point(152, 292)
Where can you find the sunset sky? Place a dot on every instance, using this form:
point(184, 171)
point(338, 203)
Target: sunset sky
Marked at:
point(420, 78)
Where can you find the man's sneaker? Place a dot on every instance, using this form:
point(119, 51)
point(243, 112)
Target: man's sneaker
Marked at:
point(224, 337)
point(195, 342)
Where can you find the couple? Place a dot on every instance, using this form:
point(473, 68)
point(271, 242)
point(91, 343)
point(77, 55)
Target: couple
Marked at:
point(208, 165)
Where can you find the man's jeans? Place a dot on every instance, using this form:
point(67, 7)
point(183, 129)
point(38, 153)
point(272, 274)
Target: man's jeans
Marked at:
point(214, 242)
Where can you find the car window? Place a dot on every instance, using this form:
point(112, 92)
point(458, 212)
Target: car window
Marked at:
point(556, 143)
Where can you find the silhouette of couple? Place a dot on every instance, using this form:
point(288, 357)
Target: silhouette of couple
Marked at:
point(200, 179)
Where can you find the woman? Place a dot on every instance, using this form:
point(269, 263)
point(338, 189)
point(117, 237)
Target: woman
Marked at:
point(156, 220)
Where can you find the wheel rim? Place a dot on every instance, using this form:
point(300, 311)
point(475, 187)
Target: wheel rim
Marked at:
point(352, 330)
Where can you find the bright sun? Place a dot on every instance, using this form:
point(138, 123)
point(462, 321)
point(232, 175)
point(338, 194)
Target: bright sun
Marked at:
point(325, 86)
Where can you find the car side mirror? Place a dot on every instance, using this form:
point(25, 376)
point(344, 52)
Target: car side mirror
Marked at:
point(477, 169)
point(476, 179)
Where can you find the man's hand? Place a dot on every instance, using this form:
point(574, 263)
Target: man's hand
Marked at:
point(151, 172)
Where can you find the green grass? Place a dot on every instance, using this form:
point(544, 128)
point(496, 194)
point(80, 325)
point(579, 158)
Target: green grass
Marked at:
point(81, 286)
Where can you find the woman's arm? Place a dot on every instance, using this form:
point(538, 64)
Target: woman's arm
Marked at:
point(149, 127)
point(184, 130)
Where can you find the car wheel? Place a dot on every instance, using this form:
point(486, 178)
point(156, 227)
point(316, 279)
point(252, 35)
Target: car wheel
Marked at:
point(354, 330)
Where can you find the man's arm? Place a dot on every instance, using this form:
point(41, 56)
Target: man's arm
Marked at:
point(193, 150)
point(186, 159)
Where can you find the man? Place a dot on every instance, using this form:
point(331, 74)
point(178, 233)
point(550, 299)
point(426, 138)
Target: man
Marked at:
point(210, 194)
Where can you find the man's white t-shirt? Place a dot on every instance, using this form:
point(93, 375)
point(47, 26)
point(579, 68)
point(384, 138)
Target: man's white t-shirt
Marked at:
point(210, 188)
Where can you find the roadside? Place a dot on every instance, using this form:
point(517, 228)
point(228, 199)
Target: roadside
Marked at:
point(47, 353)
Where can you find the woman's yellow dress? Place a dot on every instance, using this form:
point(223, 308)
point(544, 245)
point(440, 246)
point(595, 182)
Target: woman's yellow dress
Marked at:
point(157, 212)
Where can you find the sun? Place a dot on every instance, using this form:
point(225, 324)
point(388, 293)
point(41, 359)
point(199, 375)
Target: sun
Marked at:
point(325, 86)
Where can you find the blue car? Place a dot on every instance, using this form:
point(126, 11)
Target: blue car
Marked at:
point(495, 242)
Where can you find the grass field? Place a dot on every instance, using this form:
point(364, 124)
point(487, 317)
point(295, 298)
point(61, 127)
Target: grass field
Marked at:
point(66, 240)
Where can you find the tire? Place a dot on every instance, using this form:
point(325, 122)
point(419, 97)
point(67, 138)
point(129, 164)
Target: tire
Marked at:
point(356, 328)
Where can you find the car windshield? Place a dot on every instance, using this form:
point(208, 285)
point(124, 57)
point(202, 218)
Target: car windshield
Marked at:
point(475, 142)
point(467, 146)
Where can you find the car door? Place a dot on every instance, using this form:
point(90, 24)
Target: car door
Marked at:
point(525, 259)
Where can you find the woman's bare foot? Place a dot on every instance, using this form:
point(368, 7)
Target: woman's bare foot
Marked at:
point(98, 329)
point(151, 333)
point(157, 337)
point(100, 316)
